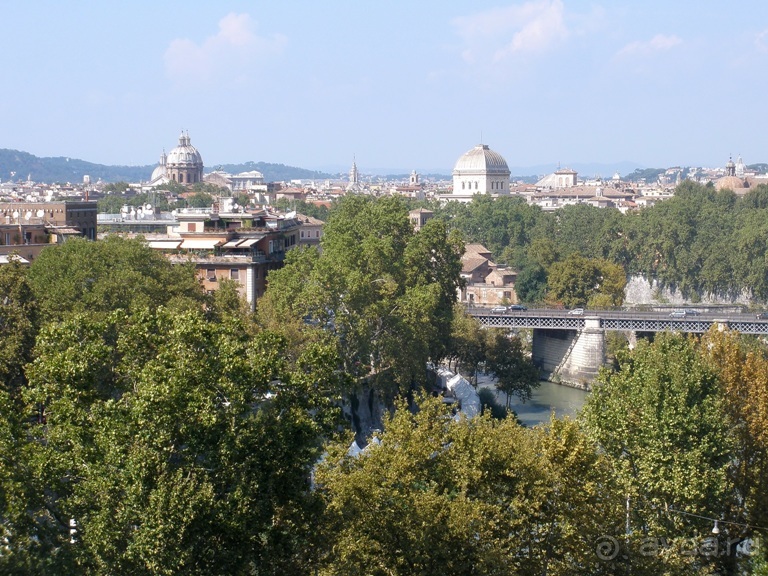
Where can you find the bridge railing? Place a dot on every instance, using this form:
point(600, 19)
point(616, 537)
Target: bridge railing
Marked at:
point(621, 320)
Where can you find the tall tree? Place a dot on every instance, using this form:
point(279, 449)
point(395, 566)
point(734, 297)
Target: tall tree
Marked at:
point(176, 444)
point(660, 419)
point(515, 373)
point(743, 374)
point(385, 291)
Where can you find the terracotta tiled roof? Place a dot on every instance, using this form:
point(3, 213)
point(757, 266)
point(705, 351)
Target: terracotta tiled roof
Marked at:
point(472, 263)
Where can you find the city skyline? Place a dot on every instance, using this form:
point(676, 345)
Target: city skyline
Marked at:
point(398, 86)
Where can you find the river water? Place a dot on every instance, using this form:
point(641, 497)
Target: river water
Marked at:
point(548, 397)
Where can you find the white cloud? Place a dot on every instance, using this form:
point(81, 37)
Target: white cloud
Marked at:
point(761, 41)
point(228, 54)
point(532, 27)
point(659, 43)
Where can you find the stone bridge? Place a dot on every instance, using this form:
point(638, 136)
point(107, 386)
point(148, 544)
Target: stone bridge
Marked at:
point(570, 348)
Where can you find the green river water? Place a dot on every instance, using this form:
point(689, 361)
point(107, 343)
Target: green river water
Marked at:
point(548, 397)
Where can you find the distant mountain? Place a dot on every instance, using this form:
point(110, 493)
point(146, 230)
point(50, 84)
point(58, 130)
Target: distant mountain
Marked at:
point(273, 172)
point(17, 165)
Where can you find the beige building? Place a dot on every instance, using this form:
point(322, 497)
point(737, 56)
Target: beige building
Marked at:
point(486, 284)
point(28, 227)
point(240, 246)
point(419, 217)
point(310, 231)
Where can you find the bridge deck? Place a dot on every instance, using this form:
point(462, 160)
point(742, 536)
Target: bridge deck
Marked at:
point(619, 320)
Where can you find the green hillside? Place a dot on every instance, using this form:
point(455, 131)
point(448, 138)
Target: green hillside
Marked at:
point(17, 165)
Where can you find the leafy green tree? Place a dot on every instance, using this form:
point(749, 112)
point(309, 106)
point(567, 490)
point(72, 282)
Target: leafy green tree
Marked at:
point(515, 373)
point(319, 211)
point(113, 273)
point(243, 199)
point(531, 283)
point(660, 419)
point(467, 346)
point(171, 186)
point(440, 496)
point(18, 324)
point(743, 374)
point(579, 281)
point(177, 444)
point(212, 189)
point(200, 199)
point(383, 290)
point(116, 187)
point(110, 204)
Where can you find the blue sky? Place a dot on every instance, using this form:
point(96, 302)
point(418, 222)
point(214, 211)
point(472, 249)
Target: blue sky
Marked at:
point(397, 85)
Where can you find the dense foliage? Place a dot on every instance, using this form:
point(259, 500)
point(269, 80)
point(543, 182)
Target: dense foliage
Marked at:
point(380, 287)
point(439, 496)
point(700, 241)
point(149, 428)
point(683, 422)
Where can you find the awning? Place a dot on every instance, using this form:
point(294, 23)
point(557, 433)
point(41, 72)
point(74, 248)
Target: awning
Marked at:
point(198, 244)
point(8, 258)
point(164, 244)
point(247, 243)
point(232, 243)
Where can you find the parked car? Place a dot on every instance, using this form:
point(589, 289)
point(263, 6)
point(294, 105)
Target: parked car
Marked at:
point(517, 307)
point(499, 309)
point(576, 312)
point(678, 314)
point(762, 316)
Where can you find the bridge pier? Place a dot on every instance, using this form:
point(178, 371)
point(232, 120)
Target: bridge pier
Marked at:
point(570, 357)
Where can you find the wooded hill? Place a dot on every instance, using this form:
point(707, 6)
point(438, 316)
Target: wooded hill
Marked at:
point(17, 165)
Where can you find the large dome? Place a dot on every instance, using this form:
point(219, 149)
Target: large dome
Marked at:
point(481, 159)
point(184, 154)
point(732, 183)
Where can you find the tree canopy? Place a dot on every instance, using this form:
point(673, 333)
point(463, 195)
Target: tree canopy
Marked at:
point(380, 287)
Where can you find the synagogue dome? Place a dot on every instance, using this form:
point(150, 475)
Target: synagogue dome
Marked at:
point(481, 159)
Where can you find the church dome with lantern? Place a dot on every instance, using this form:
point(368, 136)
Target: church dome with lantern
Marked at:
point(183, 164)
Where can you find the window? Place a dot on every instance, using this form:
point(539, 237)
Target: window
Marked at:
point(211, 275)
point(317, 233)
point(234, 274)
point(302, 233)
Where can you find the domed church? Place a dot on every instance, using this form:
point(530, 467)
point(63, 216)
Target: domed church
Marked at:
point(479, 171)
point(183, 164)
